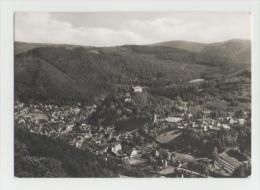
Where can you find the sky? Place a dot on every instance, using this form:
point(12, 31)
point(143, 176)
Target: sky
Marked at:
point(120, 28)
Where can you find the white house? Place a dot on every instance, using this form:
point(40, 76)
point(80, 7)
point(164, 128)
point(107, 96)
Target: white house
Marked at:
point(196, 81)
point(205, 127)
point(241, 121)
point(127, 99)
point(87, 135)
point(225, 126)
point(69, 128)
point(193, 124)
point(231, 120)
point(173, 119)
point(190, 115)
point(134, 153)
point(180, 127)
point(116, 148)
point(214, 128)
point(138, 89)
point(155, 118)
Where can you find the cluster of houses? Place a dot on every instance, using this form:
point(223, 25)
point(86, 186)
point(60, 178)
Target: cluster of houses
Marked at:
point(187, 120)
point(51, 120)
point(70, 123)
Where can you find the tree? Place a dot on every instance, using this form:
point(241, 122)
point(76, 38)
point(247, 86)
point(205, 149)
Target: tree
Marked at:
point(200, 167)
point(239, 113)
point(243, 171)
point(145, 129)
point(215, 153)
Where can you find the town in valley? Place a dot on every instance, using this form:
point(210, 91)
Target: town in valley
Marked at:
point(145, 131)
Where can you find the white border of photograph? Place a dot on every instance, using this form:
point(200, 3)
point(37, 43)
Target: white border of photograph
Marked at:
point(8, 181)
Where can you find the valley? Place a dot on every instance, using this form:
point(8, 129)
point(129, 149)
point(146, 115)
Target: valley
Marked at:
point(175, 109)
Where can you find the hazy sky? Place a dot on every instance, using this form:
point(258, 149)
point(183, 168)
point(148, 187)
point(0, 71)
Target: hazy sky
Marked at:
point(119, 28)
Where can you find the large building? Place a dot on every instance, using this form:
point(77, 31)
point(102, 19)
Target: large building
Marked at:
point(137, 89)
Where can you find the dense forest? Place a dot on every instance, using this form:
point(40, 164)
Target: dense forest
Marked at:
point(62, 72)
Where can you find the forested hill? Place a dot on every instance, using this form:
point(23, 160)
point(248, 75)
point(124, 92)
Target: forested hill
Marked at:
point(40, 156)
point(68, 73)
point(235, 50)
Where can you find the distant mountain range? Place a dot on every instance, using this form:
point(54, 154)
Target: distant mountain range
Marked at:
point(235, 49)
point(78, 73)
